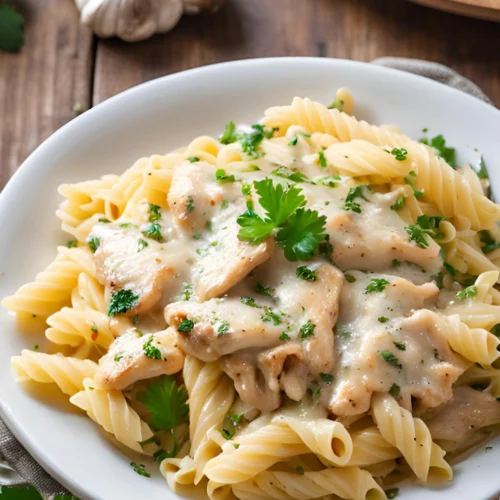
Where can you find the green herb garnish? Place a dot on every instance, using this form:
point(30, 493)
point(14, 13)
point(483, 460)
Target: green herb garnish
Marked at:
point(122, 301)
point(389, 357)
point(307, 330)
point(467, 293)
point(94, 243)
point(438, 144)
point(153, 231)
point(150, 350)
point(306, 274)
point(376, 285)
point(186, 325)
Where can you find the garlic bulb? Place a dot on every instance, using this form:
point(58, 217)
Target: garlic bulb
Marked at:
point(134, 20)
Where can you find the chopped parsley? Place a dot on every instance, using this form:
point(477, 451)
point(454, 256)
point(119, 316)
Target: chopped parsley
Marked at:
point(395, 390)
point(307, 330)
point(450, 268)
point(270, 316)
point(284, 336)
point(94, 328)
point(300, 230)
point(104, 220)
point(224, 204)
point(392, 493)
point(246, 189)
point(187, 292)
point(154, 212)
point(141, 244)
point(417, 234)
point(71, 243)
point(438, 144)
point(400, 203)
point(396, 263)
point(326, 181)
point(193, 159)
point(399, 345)
point(118, 357)
point(349, 278)
point(300, 470)
point(416, 192)
point(399, 154)
point(140, 469)
point(482, 173)
point(250, 141)
point(292, 175)
point(263, 290)
point(383, 319)
point(326, 249)
point(167, 403)
point(94, 243)
point(376, 285)
point(337, 104)
point(229, 136)
point(249, 301)
point(222, 178)
point(150, 350)
point(431, 224)
point(223, 328)
point(293, 142)
point(343, 332)
point(389, 357)
point(322, 159)
point(352, 195)
point(122, 301)
point(490, 244)
point(230, 424)
point(153, 231)
point(190, 204)
point(186, 325)
point(327, 377)
point(467, 293)
point(127, 225)
point(306, 274)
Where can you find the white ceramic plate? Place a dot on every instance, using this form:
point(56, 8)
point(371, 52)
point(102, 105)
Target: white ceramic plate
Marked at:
point(164, 114)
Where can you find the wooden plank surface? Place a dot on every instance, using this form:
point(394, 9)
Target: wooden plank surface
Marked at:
point(483, 9)
point(40, 85)
point(352, 29)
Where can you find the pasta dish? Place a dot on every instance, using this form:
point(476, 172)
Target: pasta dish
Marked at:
point(302, 308)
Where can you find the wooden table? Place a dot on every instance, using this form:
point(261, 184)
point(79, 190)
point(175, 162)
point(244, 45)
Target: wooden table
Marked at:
point(62, 64)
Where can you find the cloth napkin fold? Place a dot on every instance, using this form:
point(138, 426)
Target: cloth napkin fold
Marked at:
point(18, 467)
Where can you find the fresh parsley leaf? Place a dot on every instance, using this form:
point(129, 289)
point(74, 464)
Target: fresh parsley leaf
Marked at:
point(150, 350)
point(291, 175)
point(438, 144)
point(337, 104)
point(490, 244)
point(94, 243)
point(250, 142)
point(222, 178)
point(193, 159)
point(306, 274)
point(416, 192)
point(284, 336)
point(246, 189)
point(322, 159)
point(389, 357)
point(230, 425)
point(395, 390)
point(254, 229)
point(140, 469)
point(399, 345)
point(229, 136)
point(153, 231)
point(431, 224)
point(327, 377)
point(400, 203)
point(467, 293)
point(482, 173)
point(141, 244)
point(154, 212)
point(271, 316)
point(122, 301)
point(186, 325)
point(167, 403)
point(11, 28)
point(417, 234)
point(25, 492)
point(71, 243)
point(307, 330)
point(301, 234)
point(376, 285)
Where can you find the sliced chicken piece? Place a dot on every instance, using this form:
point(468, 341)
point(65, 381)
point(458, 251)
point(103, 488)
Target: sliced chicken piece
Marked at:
point(227, 260)
point(123, 262)
point(217, 327)
point(386, 343)
point(134, 357)
point(194, 195)
point(284, 368)
point(463, 415)
point(250, 382)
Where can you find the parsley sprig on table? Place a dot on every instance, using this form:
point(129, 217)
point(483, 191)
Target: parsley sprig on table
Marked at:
point(300, 231)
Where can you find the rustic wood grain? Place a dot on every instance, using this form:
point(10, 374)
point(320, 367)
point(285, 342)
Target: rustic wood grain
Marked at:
point(352, 29)
point(40, 85)
point(483, 9)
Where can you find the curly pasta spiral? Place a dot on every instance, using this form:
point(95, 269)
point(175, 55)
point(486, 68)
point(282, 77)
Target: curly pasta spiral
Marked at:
point(111, 411)
point(409, 435)
point(448, 189)
point(482, 375)
point(52, 288)
point(348, 483)
point(369, 447)
point(67, 373)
